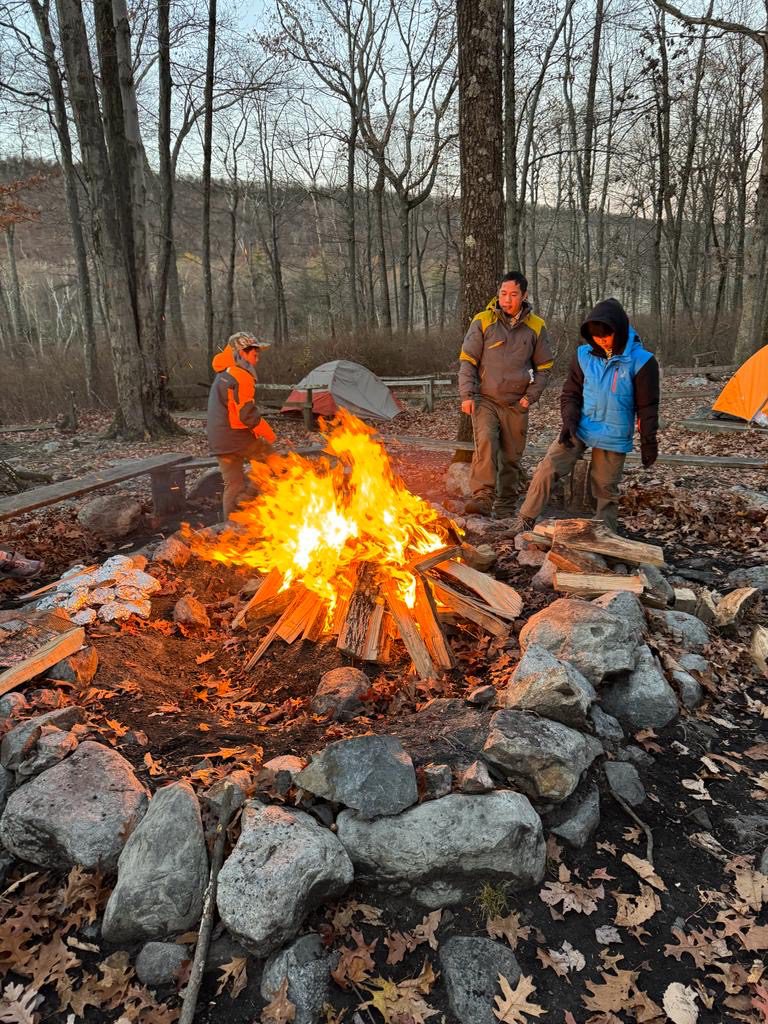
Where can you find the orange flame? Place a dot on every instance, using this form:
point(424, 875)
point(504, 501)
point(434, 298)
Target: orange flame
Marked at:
point(313, 518)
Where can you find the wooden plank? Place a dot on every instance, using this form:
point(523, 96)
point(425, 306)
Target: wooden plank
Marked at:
point(567, 560)
point(605, 583)
point(409, 634)
point(376, 635)
point(270, 587)
point(29, 428)
point(503, 600)
point(45, 657)
point(52, 586)
point(425, 613)
point(587, 535)
point(468, 608)
point(353, 631)
point(38, 497)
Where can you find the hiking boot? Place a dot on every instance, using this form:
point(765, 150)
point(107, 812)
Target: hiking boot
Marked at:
point(503, 510)
point(521, 524)
point(14, 567)
point(479, 505)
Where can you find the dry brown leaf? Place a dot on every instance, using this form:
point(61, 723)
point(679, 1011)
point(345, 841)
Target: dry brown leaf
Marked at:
point(280, 1009)
point(562, 961)
point(425, 932)
point(398, 945)
point(355, 963)
point(698, 789)
point(512, 1006)
point(612, 995)
point(632, 909)
point(234, 976)
point(398, 1003)
point(704, 947)
point(18, 1005)
point(644, 870)
point(155, 768)
point(572, 895)
point(752, 886)
point(758, 752)
point(680, 1004)
point(760, 1001)
point(508, 928)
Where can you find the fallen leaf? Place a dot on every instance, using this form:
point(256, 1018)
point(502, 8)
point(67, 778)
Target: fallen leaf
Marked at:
point(355, 963)
point(562, 961)
point(18, 1005)
point(680, 1004)
point(155, 768)
point(606, 934)
point(397, 944)
point(512, 1006)
point(612, 995)
point(572, 895)
point(760, 1002)
point(425, 932)
point(644, 870)
point(508, 928)
point(632, 909)
point(698, 789)
point(205, 656)
point(752, 886)
point(704, 947)
point(403, 1002)
point(233, 976)
point(279, 1010)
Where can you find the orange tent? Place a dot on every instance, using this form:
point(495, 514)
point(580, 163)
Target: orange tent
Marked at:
point(745, 396)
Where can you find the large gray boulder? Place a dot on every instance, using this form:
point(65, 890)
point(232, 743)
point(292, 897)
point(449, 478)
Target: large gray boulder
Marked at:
point(441, 851)
point(283, 865)
point(444, 727)
point(111, 516)
point(340, 693)
point(753, 576)
point(554, 689)
point(575, 820)
point(14, 748)
point(80, 812)
point(371, 774)
point(162, 872)
point(52, 746)
point(471, 967)
point(693, 632)
point(6, 786)
point(644, 700)
point(544, 759)
point(624, 780)
point(625, 606)
point(598, 643)
point(306, 965)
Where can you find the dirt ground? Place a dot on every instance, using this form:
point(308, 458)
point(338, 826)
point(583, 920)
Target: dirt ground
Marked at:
point(177, 703)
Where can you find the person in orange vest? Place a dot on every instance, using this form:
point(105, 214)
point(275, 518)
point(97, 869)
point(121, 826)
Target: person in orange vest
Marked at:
point(237, 432)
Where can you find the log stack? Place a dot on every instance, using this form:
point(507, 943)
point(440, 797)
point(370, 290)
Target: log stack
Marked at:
point(370, 611)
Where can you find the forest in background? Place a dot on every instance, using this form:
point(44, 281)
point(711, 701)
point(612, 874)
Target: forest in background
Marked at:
point(300, 177)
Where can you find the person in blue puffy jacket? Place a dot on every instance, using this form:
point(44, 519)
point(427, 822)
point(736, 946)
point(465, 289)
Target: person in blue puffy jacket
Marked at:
point(612, 384)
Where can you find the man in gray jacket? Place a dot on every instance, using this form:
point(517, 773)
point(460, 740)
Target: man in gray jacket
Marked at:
point(505, 365)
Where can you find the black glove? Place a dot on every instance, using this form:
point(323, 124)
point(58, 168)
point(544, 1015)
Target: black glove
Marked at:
point(566, 437)
point(649, 452)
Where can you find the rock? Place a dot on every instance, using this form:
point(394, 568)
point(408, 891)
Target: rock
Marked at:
point(545, 577)
point(700, 817)
point(81, 811)
point(626, 606)
point(751, 830)
point(624, 781)
point(686, 600)
point(476, 779)
point(531, 555)
point(694, 663)
point(544, 759)
point(481, 557)
point(481, 695)
point(757, 500)
point(440, 851)
point(278, 774)
point(576, 820)
point(222, 950)
point(444, 726)
point(238, 780)
point(188, 611)
point(7, 783)
point(658, 585)
point(607, 728)
point(554, 689)
point(340, 693)
point(46, 700)
point(283, 865)
point(111, 516)
point(437, 781)
point(598, 643)
point(173, 552)
point(371, 774)
point(13, 749)
point(79, 667)
point(471, 968)
point(695, 635)
point(636, 756)
point(764, 862)
point(12, 705)
point(162, 872)
point(753, 576)
point(457, 480)
point(689, 690)
point(208, 485)
point(160, 963)
point(52, 746)
point(644, 699)
point(306, 965)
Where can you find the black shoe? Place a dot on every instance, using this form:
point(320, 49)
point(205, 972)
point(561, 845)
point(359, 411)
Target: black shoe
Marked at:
point(479, 506)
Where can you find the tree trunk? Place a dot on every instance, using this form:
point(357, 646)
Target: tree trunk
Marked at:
point(512, 211)
point(207, 145)
point(354, 311)
point(165, 182)
point(404, 224)
point(386, 302)
point(19, 324)
point(229, 313)
point(173, 305)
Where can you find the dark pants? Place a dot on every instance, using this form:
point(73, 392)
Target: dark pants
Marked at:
point(558, 462)
point(500, 433)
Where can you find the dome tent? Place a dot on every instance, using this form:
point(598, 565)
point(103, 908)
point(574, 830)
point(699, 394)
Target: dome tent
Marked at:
point(745, 396)
point(346, 385)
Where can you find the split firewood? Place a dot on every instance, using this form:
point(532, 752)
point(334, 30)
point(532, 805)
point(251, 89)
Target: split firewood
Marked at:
point(409, 632)
point(353, 631)
point(425, 613)
point(424, 562)
point(268, 590)
point(732, 608)
point(686, 600)
point(605, 583)
point(567, 560)
point(480, 558)
point(587, 535)
point(502, 600)
point(759, 649)
point(467, 608)
point(706, 609)
point(51, 652)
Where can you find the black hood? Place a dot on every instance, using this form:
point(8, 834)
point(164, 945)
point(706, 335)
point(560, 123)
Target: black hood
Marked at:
point(609, 312)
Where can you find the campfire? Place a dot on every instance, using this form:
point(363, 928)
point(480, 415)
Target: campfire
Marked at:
point(346, 551)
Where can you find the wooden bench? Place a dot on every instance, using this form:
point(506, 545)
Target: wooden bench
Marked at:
point(164, 471)
point(426, 385)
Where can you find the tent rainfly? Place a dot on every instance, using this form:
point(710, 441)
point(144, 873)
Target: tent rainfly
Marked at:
point(342, 384)
point(745, 396)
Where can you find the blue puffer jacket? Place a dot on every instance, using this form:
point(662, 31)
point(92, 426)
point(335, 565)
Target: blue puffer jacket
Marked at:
point(608, 409)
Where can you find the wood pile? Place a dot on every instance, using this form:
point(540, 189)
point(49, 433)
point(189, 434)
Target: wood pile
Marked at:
point(572, 545)
point(370, 611)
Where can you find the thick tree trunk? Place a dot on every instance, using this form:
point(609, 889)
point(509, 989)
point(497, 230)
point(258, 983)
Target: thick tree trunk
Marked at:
point(404, 227)
point(173, 305)
point(165, 177)
point(19, 322)
point(207, 146)
point(229, 315)
point(354, 311)
point(386, 302)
